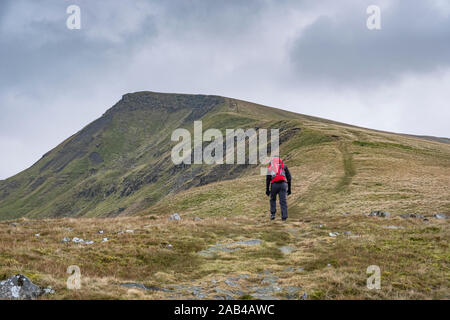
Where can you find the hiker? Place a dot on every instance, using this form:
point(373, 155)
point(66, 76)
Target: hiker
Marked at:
point(279, 179)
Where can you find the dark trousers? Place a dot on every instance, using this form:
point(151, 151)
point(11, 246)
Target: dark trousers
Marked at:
point(280, 189)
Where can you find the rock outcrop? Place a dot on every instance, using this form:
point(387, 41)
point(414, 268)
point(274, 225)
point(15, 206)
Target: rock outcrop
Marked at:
point(19, 287)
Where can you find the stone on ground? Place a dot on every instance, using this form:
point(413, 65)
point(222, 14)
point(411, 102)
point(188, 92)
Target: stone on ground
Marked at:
point(19, 287)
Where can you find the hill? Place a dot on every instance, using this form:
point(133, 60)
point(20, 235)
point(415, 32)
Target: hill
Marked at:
point(120, 163)
point(224, 246)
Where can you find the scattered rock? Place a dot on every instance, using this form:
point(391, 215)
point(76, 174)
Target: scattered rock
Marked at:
point(20, 287)
point(129, 231)
point(440, 216)
point(346, 214)
point(13, 224)
point(300, 269)
point(225, 294)
point(287, 249)
point(288, 269)
point(197, 292)
point(253, 242)
point(269, 278)
point(333, 234)
point(178, 286)
point(101, 231)
point(106, 239)
point(197, 219)
point(66, 239)
point(348, 233)
point(292, 292)
point(231, 283)
point(78, 240)
point(267, 289)
point(175, 217)
point(377, 213)
point(49, 290)
point(412, 215)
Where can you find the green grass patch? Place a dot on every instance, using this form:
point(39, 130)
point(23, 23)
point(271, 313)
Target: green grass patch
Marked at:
point(382, 145)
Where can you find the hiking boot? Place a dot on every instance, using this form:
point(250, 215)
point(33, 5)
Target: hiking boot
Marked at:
point(284, 219)
point(272, 217)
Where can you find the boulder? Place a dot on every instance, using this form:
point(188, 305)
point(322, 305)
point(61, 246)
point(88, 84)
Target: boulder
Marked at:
point(377, 213)
point(77, 240)
point(440, 216)
point(175, 217)
point(19, 287)
point(333, 234)
point(412, 215)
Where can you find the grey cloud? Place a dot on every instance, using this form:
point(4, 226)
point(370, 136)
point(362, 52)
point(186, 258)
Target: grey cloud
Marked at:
point(45, 49)
point(339, 49)
point(40, 57)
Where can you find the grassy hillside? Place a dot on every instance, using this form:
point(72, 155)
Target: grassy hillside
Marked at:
point(225, 246)
point(120, 163)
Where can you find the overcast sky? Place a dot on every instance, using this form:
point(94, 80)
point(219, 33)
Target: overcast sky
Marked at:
point(308, 56)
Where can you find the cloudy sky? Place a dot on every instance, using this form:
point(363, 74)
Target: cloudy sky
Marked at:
point(307, 56)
